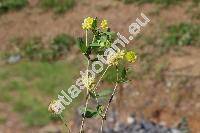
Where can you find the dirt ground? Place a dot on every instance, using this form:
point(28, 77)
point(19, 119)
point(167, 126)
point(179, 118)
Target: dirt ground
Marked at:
point(164, 102)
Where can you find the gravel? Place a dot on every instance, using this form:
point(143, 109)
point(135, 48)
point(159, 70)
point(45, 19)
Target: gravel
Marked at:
point(142, 126)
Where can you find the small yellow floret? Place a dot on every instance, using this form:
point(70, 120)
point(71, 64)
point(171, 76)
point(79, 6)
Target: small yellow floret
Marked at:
point(131, 56)
point(104, 24)
point(87, 24)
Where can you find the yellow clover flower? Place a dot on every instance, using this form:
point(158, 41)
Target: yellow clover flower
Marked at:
point(104, 24)
point(131, 56)
point(55, 107)
point(87, 24)
point(113, 58)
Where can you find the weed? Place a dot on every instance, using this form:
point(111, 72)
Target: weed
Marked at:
point(98, 39)
point(32, 48)
point(59, 6)
point(61, 44)
point(162, 2)
point(7, 5)
point(183, 125)
point(196, 2)
point(183, 34)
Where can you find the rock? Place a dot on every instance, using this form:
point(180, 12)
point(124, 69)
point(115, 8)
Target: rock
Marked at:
point(175, 131)
point(130, 120)
point(144, 126)
point(14, 59)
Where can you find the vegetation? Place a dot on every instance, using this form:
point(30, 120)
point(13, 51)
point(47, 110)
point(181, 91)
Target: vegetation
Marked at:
point(33, 47)
point(58, 6)
point(183, 34)
point(28, 85)
point(7, 5)
point(61, 44)
point(98, 39)
point(163, 2)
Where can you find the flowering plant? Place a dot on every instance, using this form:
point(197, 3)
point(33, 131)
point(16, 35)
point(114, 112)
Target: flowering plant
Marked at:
point(99, 46)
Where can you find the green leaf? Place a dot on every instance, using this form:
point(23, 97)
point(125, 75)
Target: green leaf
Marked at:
point(111, 74)
point(82, 46)
point(94, 24)
point(90, 113)
point(105, 92)
point(122, 75)
point(100, 110)
point(95, 44)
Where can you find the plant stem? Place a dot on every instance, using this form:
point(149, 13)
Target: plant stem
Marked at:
point(109, 102)
point(62, 118)
point(98, 84)
point(101, 78)
point(86, 105)
point(87, 95)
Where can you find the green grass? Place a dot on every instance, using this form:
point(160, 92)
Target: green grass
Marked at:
point(61, 44)
point(8, 5)
point(196, 2)
point(34, 50)
point(2, 119)
point(58, 6)
point(34, 111)
point(162, 2)
point(183, 34)
point(29, 86)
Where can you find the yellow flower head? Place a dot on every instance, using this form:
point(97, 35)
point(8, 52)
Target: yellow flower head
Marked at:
point(87, 24)
point(55, 107)
point(131, 56)
point(113, 58)
point(104, 24)
point(88, 81)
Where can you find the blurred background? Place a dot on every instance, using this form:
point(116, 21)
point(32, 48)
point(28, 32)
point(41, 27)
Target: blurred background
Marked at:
point(39, 57)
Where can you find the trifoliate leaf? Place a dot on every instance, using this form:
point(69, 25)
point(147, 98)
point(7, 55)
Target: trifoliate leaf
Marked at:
point(90, 113)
